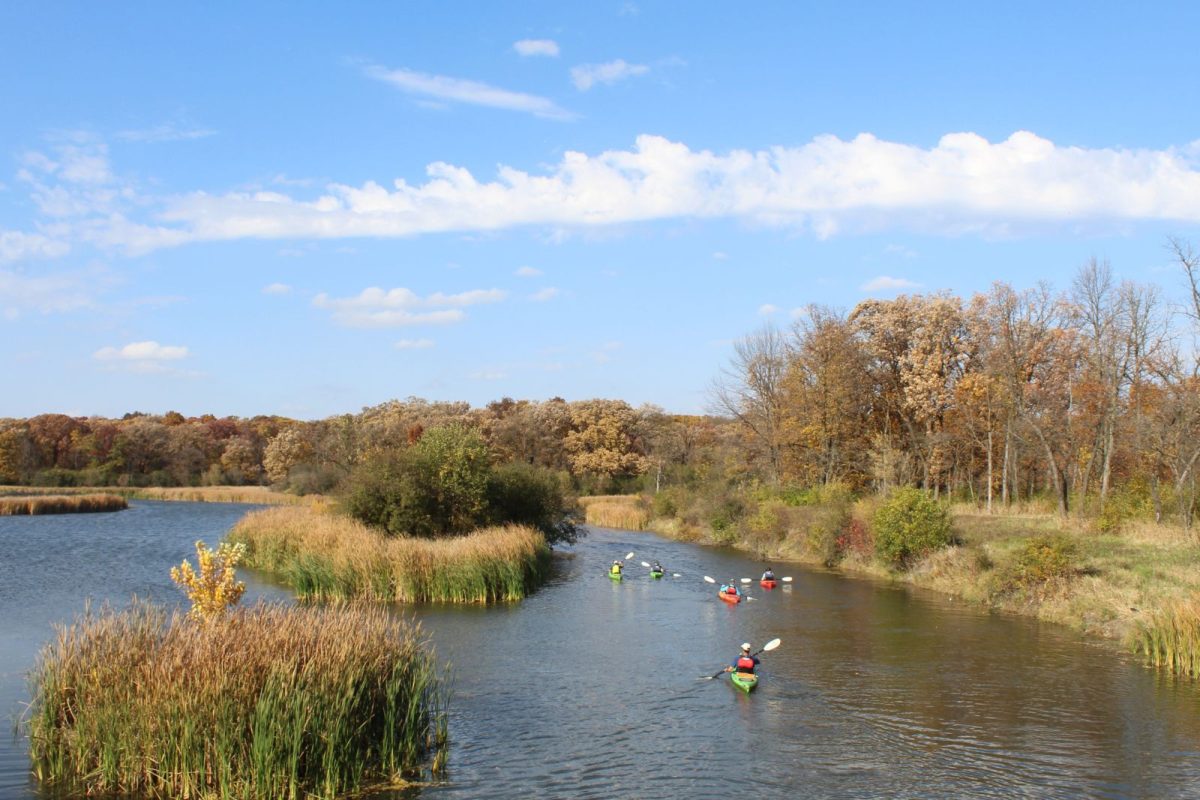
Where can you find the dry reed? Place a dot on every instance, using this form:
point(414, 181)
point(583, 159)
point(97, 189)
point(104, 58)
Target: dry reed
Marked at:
point(326, 556)
point(615, 511)
point(61, 504)
point(1169, 637)
point(271, 702)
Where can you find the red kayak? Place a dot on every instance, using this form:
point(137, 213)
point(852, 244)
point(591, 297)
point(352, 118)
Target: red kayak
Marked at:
point(729, 598)
point(769, 583)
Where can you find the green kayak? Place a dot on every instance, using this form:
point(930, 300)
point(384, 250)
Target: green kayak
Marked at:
point(744, 681)
point(656, 575)
point(616, 576)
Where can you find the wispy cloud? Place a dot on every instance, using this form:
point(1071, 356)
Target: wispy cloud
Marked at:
point(886, 283)
point(549, 293)
point(46, 294)
point(585, 76)
point(767, 309)
point(141, 351)
point(720, 255)
point(277, 288)
point(376, 308)
point(527, 272)
point(536, 47)
point(21, 246)
point(460, 90)
point(414, 344)
point(164, 133)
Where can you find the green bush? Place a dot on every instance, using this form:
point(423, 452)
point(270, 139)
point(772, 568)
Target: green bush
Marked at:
point(826, 534)
point(908, 526)
point(529, 495)
point(1041, 559)
point(1123, 505)
point(436, 487)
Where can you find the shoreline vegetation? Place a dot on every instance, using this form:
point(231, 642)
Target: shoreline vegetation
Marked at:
point(266, 701)
point(37, 504)
point(1138, 586)
point(325, 556)
point(260, 495)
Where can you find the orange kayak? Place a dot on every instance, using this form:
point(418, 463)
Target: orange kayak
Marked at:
point(769, 583)
point(729, 598)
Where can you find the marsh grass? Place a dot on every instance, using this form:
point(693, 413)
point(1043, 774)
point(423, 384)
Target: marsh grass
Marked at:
point(628, 512)
point(60, 504)
point(261, 495)
point(331, 557)
point(1169, 637)
point(270, 702)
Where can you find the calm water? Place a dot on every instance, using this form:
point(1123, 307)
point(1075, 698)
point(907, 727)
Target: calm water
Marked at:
point(589, 688)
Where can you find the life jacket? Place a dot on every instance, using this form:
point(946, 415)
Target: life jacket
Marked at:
point(745, 664)
point(616, 569)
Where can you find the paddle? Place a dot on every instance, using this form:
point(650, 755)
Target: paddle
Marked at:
point(771, 645)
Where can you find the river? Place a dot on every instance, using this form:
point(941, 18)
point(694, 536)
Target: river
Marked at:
point(592, 688)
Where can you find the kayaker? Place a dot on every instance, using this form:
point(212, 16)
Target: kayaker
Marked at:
point(744, 663)
point(731, 588)
point(656, 567)
point(617, 567)
point(768, 575)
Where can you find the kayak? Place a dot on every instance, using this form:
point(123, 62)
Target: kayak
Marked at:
point(729, 598)
point(768, 583)
point(656, 575)
point(616, 576)
point(745, 681)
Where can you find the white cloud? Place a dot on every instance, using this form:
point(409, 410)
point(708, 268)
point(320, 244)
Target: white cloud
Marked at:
point(414, 344)
point(903, 251)
point(459, 90)
point(527, 272)
point(585, 76)
point(376, 308)
point(489, 375)
point(886, 283)
point(164, 133)
point(720, 255)
point(828, 186)
point(141, 351)
point(21, 246)
point(536, 47)
point(45, 294)
point(277, 288)
point(549, 293)
point(767, 309)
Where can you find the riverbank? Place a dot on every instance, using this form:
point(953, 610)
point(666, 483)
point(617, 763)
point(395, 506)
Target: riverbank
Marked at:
point(1136, 586)
point(260, 495)
point(30, 505)
point(321, 555)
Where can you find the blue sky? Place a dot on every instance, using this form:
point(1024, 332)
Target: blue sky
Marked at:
point(305, 209)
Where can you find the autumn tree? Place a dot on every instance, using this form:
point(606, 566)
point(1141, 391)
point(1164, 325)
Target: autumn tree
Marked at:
point(602, 440)
point(750, 390)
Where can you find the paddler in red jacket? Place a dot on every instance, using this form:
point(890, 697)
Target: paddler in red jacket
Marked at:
point(744, 663)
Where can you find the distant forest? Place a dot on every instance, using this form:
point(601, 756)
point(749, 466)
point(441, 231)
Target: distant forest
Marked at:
point(1078, 397)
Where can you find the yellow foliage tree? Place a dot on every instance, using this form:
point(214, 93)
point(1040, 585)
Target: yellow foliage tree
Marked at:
point(216, 587)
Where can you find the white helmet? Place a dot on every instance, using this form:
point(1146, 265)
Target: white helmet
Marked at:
point(745, 645)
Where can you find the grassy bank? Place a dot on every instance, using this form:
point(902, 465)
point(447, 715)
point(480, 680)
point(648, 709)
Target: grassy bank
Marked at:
point(268, 702)
point(1138, 585)
point(326, 556)
point(262, 495)
point(60, 504)
point(615, 511)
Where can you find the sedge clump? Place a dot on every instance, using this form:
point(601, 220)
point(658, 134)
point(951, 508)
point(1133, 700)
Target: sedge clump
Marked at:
point(215, 587)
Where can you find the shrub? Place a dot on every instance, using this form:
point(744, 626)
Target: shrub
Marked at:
point(526, 495)
point(1040, 559)
point(1123, 505)
point(436, 487)
point(908, 526)
point(215, 588)
point(826, 531)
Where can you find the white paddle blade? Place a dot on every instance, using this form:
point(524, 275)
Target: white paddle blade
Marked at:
point(646, 564)
point(708, 579)
point(629, 556)
point(745, 580)
point(676, 575)
point(788, 579)
point(771, 645)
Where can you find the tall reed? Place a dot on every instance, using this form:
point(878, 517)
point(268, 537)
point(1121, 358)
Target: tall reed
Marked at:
point(61, 504)
point(615, 511)
point(325, 556)
point(270, 702)
point(1170, 637)
point(217, 494)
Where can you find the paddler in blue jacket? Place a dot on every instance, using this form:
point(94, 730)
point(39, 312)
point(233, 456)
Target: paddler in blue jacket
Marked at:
point(744, 663)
